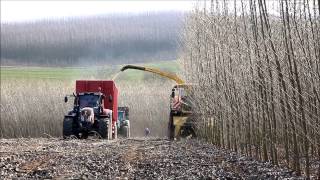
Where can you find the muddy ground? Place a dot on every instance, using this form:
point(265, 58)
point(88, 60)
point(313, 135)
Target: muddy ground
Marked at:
point(128, 159)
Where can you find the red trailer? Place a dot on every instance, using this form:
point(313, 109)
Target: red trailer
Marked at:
point(107, 88)
point(95, 109)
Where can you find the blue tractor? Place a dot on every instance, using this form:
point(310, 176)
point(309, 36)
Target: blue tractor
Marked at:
point(123, 122)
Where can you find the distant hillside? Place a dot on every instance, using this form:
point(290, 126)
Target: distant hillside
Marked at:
point(112, 39)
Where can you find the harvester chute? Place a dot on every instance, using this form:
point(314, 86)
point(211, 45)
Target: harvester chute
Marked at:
point(180, 123)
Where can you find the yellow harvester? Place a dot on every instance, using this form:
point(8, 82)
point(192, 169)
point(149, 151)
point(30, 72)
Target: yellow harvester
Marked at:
point(180, 121)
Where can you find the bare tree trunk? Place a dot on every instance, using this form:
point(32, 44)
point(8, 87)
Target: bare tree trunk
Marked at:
point(264, 79)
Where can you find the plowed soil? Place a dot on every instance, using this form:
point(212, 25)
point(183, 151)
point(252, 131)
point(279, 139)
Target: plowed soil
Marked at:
point(137, 158)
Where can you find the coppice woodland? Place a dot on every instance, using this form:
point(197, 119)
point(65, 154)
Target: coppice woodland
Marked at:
point(256, 69)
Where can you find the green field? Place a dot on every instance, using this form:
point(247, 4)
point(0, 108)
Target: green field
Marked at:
point(65, 73)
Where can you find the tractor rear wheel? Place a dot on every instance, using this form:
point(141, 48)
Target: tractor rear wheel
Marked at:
point(126, 131)
point(115, 136)
point(110, 130)
point(104, 128)
point(67, 127)
point(129, 129)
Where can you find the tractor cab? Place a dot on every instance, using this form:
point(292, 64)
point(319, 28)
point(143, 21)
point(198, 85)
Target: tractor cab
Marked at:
point(180, 100)
point(92, 100)
point(123, 115)
point(89, 100)
point(123, 121)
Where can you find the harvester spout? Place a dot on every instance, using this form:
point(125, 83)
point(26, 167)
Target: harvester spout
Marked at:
point(180, 123)
point(168, 75)
point(132, 67)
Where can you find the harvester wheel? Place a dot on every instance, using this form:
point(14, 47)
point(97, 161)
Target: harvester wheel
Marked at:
point(187, 132)
point(67, 127)
point(104, 128)
point(171, 127)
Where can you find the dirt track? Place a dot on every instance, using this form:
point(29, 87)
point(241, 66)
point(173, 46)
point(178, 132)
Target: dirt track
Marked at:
point(127, 159)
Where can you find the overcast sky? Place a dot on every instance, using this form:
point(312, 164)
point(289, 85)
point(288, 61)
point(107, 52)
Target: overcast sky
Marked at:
point(19, 11)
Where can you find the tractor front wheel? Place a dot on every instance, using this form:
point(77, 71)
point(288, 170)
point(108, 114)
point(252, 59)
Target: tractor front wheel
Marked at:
point(67, 127)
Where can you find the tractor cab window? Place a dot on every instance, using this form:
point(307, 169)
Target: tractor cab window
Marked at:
point(180, 92)
point(88, 100)
point(121, 115)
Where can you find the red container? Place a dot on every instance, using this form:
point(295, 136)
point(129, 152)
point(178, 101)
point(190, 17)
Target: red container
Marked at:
point(107, 88)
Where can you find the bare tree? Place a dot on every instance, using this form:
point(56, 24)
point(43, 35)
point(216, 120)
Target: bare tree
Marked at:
point(257, 77)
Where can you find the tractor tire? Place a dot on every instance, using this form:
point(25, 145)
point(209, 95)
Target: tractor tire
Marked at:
point(129, 131)
point(171, 127)
point(126, 131)
point(104, 128)
point(187, 132)
point(115, 135)
point(67, 127)
point(110, 130)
